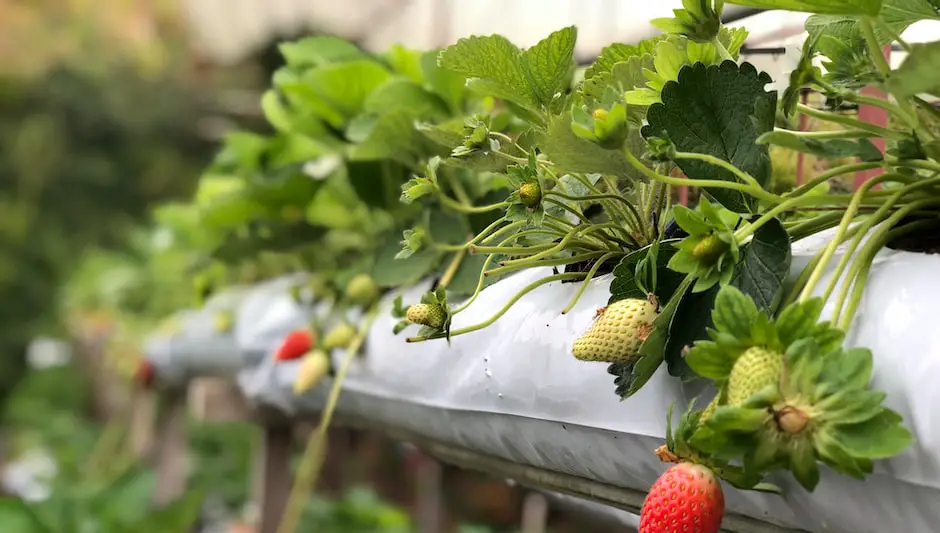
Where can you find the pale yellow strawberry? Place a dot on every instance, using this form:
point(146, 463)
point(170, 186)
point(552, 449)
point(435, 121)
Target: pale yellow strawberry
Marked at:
point(754, 370)
point(313, 367)
point(426, 314)
point(709, 410)
point(618, 332)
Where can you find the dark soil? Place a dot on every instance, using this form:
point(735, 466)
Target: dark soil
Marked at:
point(926, 241)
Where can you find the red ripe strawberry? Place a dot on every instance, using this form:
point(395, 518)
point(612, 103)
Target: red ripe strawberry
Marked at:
point(295, 345)
point(687, 498)
point(144, 374)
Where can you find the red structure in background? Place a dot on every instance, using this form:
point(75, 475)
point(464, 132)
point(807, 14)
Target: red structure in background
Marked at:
point(877, 116)
point(800, 156)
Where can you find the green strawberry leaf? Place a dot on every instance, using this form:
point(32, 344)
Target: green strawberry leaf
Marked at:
point(391, 272)
point(346, 86)
point(494, 59)
point(718, 110)
point(899, 14)
point(318, 50)
point(407, 62)
point(632, 376)
point(571, 153)
point(549, 64)
point(917, 74)
point(836, 457)
point(851, 371)
point(803, 464)
point(852, 407)
point(832, 7)
point(394, 137)
point(624, 284)
point(709, 360)
point(691, 221)
point(691, 323)
point(530, 78)
point(465, 281)
point(798, 318)
point(734, 312)
point(401, 93)
point(618, 52)
point(450, 86)
point(764, 266)
point(446, 228)
point(829, 148)
point(880, 437)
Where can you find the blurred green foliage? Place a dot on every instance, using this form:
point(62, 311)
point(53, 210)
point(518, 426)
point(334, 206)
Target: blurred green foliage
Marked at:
point(82, 158)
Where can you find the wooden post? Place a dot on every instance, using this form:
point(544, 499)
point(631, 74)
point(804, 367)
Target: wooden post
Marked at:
point(171, 453)
point(877, 116)
point(143, 412)
point(272, 476)
point(428, 488)
point(534, 513)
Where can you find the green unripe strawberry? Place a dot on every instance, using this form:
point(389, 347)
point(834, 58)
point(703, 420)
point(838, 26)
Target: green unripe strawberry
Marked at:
point(618, 332)
point(754, 370)
point(426, 314)
point(339, 337)
point(709, 249)
point(362, 290)
point(530, 194)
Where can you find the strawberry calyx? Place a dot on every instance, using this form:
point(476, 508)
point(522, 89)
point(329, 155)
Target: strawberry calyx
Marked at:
point(792, 395)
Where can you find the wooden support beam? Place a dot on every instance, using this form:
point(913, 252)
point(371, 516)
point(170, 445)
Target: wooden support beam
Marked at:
point(534, 513)
point(428, 490)
point(171, 452)
point(273, 478)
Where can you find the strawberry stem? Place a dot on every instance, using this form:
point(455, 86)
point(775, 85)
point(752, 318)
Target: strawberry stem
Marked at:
point(847, 218)
point(869, 222)
point(587, 280)
point(315, 452)
point(858, 272)
point(525, 290)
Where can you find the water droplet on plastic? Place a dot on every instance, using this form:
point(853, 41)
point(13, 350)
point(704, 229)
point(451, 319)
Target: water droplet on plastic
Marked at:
point(488, 372)
point(500, 395)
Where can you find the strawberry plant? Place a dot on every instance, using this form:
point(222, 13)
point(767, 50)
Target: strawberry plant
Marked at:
point(478, 161)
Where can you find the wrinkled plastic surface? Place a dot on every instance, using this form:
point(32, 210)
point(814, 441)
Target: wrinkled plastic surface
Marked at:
point(197, 349)
point(267, 314)
point(513, 390)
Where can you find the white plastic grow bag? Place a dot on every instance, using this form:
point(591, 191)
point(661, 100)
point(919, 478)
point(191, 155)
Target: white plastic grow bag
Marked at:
point(513, 391)
point(197, 349)
point(269, 312)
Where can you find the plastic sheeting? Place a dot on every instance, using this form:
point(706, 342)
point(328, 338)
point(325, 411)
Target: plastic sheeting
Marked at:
point(513, 391)
point(197, 349)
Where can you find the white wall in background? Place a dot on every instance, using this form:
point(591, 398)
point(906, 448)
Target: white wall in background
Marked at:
point(227, 30)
